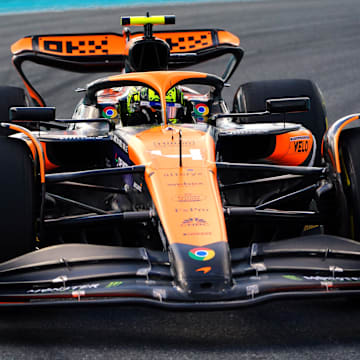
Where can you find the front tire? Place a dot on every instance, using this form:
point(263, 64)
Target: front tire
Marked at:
point(349, 147)
point(17, 193)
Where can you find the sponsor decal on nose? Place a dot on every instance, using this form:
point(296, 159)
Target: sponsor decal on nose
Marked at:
point(202, 254)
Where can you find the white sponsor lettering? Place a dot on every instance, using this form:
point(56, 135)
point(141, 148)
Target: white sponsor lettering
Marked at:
point(252, 290)
point(330, 278)
point(63, 289)
point(122, 145)
point(300, 137)
point(195, 154)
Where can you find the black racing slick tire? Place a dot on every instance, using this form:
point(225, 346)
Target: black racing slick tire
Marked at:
point(349, 149)
point(17, 194)
point(252, 96)
point(10, 96)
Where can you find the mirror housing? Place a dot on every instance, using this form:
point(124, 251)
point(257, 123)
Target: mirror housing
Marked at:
point(288, 105)
point(32, 114)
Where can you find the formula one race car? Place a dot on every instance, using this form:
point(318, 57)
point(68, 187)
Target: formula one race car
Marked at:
point(156, 193)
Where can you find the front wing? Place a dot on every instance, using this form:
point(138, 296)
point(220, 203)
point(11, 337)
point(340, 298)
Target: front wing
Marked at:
point(311, 266)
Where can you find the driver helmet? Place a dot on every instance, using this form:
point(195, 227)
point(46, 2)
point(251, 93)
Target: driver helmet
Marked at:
point(146, 98)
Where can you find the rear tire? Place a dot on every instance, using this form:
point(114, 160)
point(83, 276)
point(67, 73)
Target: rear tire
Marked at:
point(17, 194)
point(252, 96)
point(10, 96)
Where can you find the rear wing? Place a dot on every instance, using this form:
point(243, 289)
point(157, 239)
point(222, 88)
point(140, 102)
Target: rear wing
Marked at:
point(107, 52)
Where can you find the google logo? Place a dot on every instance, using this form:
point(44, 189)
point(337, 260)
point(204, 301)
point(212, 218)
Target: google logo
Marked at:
point(202, 254)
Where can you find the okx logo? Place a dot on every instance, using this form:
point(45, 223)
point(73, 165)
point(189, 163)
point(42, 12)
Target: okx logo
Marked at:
point(202, 254)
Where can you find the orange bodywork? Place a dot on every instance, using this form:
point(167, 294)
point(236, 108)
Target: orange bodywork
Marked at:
point(161, 81)
point(226, 37)
point(24, 44)
point(292, 148)
point(187, 198)
point(33, 94)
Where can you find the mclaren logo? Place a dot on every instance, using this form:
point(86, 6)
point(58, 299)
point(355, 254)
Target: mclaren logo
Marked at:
point(204, 270)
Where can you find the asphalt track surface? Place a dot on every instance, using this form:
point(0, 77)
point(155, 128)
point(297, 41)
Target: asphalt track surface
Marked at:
point(317, 39)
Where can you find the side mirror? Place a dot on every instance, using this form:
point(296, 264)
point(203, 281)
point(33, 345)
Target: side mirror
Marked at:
point(288, 105)
point(32, 114)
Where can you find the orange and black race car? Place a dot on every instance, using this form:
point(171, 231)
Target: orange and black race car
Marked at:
point(156, 192)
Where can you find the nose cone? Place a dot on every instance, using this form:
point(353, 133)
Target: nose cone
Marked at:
point(202, 271)
point(187, 199)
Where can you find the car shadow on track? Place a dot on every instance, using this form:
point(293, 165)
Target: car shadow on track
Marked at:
point(269, 325)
